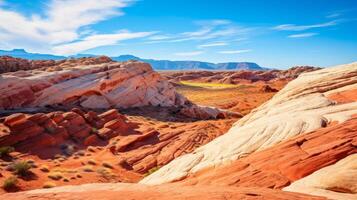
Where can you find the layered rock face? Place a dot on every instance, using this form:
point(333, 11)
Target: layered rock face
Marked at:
point(10, 64)
point(289, 161)
point(138, 192)
point(120, 85)
point(301, 107)
point(85, 83)
point(241, 76)
point(337, 181)
point(46, 130)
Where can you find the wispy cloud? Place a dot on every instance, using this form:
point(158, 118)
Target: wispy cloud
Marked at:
point(192, 53)
point(302, 35)
point(333, 15)
point(64, 23)
point(235, 51)
point(209, 29)
point(159, 37)
point(293, 27)
point(98, 40)
point(215, 44)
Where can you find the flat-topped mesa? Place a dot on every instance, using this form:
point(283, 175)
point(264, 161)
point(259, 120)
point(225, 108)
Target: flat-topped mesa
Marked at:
point(303, 105)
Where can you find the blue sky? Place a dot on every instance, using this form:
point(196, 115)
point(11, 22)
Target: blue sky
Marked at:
point(271, 33)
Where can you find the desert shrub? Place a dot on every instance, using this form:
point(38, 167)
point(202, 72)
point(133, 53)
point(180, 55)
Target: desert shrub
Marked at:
point(105, 173)
point(6, 150)
point(94, 130)
point(55, 175)
point(88, 169)
point(49, 185)
point(10, 183)
point(21, 168)
point(92, 162)
point(44, 168)
point(107, 165)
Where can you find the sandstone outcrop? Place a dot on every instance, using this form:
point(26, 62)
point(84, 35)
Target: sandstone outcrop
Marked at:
point(94, 83)
point(290, 161)
point(25, 131)
point(337, 181)
point(11, 64)
point(300, 107)
point(236, 77)
point(111, 191)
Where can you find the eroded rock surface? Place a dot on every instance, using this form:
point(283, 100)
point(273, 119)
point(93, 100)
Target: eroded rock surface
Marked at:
point(94, 83)
point(338, 181)
point(236, 77)
point(138, 192)
point(282, 164)
point(300, 107)
point(40, 130)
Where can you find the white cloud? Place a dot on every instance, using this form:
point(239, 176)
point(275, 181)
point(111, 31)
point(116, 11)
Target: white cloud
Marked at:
point(293, 27)
point(62, 24)
point(216, 44)
point(192, 53)
point(333, 15)
point(235, 51)
point(98, 40)
point(159, 37)
point(302, 35)
point(209, 29)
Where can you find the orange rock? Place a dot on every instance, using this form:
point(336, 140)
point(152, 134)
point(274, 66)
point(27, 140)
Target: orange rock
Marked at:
point(40, 141)
point(109, 115)
point(38, 118)
point(107, 133)
point(60, 134)
point(278, 166)
point(10, 120)
point(118, 125)
point(92, 140)
point(56, 116)
point(74, 118)
point(128, 191)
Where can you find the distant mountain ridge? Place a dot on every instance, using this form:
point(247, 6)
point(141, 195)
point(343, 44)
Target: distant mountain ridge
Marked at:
point(21, 53)
point(156, 64)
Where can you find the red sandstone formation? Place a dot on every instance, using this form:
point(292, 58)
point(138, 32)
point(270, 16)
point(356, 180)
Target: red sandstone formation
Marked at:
point(236, 77)
point(164, 192)
point(10, 64)
point(282, 164)
point(45, 130)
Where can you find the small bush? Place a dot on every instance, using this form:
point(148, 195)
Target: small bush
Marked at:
point(5, 151)
point(105, 173)
point(44, 168)
point(10, 183)
point(88, 169)
point(21, 168)
point(49, 185)
point(55, 176)
point(107, 165)
point(92, 162)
